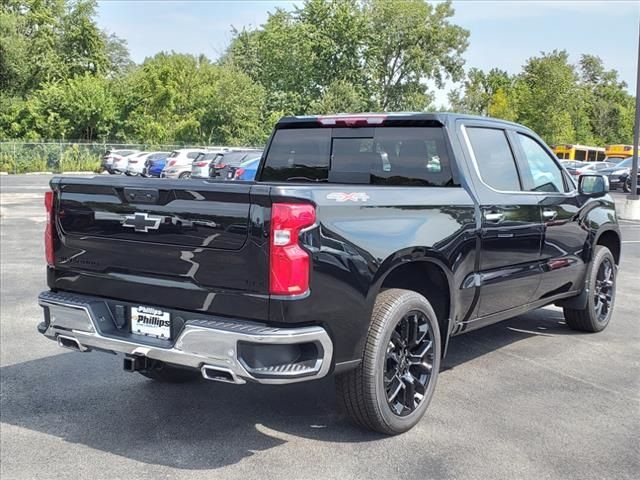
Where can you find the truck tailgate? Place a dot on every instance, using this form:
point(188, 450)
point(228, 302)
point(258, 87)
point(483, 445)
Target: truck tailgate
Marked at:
point(193, 245)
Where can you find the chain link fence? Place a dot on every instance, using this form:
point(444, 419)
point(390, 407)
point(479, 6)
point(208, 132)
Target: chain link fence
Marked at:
point(65, 156)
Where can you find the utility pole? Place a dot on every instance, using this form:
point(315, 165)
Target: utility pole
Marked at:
point(636, 133)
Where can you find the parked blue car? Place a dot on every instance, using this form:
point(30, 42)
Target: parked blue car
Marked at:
point(155, 166)
point(247, 170)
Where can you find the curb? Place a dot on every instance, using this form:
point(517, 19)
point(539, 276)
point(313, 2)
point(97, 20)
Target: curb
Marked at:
point(4, 173)
point(39, 173)
point(84, 172)
point(628, 209)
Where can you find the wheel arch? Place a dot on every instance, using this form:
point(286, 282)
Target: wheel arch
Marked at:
point(610, 238)
point(422, 271)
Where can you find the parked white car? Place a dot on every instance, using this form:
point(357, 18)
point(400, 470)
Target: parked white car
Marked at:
point(121, 164)
point(179, 162)
point(114, 156)
point(137, 163)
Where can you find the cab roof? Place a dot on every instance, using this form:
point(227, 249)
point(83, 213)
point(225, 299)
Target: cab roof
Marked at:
point(379, 118)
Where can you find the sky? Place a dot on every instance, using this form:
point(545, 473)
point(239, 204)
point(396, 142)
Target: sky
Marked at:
point(504, 33)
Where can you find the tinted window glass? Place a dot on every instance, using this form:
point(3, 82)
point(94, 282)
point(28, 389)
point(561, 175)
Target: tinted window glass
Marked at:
point(298, 154)
point(382, 155)
point(233, 159)
point(192, 155)
point(544, 175)
point(393, 156)
point(494, 158)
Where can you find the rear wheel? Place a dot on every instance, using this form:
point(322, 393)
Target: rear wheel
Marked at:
point(601, 288)
point(185, 175)
point(164, 373)
point(390, 390)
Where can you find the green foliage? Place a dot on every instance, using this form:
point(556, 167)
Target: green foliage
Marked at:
point(63, 78)
point(561, 102)
point(385, 50)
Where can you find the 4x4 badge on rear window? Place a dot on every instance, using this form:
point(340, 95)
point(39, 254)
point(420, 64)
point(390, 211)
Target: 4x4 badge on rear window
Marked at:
point(348, 197)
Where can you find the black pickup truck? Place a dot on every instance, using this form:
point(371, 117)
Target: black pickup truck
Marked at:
point(366, 242)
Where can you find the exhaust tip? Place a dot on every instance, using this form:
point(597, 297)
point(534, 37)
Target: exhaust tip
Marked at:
point(71, 343)
point(218, 374)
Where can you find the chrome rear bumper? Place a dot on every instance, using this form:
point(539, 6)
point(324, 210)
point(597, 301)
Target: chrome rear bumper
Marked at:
point(205, 343)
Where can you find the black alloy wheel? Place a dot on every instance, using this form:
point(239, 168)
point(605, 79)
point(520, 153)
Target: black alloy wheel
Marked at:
point(409, 363)
point(603, 291)
point(390, 390)
point(594, 314)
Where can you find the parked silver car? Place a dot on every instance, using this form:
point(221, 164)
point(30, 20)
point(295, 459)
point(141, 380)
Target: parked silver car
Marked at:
point(179, 162)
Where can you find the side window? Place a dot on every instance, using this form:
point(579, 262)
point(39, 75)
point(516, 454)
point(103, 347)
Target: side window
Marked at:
point(545, 175)
point(192, 155)
point(494, 158)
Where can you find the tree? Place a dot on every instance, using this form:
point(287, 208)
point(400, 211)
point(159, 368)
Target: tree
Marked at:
point(386, 50)
point(79, 108)
point(549, 96)
point(480, 89)
point(408, 43)
point(339, 97)
point(119, 61)
point(82, 45)
point(609, 107)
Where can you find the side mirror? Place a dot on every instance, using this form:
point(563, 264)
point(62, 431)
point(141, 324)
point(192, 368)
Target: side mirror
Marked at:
point(593, 185)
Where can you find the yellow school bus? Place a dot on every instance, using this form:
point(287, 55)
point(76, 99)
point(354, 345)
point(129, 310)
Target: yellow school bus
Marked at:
point(618, 152)
point(582, 153)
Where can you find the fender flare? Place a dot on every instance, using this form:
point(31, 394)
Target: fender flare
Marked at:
point(580, 301)
point(414, 255)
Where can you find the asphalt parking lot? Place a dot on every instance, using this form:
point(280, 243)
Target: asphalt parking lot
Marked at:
point(526, 398)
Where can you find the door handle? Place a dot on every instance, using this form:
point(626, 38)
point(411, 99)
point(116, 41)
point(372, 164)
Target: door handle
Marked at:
point(549, 214)
point(493, 216)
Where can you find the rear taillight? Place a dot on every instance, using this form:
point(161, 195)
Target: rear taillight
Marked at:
point(288, 260)
point(171, 163)
point(200, 164)
point(238, 173)
point(220, 165)
point(49, 200)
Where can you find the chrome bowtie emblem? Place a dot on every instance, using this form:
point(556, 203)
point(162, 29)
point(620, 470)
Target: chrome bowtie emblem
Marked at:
point(142, 222)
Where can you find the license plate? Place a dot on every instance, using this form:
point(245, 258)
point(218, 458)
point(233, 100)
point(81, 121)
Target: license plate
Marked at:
point(151, 322)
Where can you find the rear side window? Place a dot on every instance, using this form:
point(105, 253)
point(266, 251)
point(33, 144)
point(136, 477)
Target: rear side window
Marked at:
point(494, 158)
point(192, 155)
point(381, 156)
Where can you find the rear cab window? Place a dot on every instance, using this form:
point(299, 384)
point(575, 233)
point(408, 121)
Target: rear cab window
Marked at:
point(380, 155)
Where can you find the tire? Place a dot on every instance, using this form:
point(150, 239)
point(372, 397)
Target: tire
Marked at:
point(626, 185)
point(601, 294)
point(366, 393)
point(164, 373)
point(185, 175)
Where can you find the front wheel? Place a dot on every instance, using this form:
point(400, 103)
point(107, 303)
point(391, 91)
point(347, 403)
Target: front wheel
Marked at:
point(185, 175)
point(601, 290)
point(626, 186)
point(390, 390)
